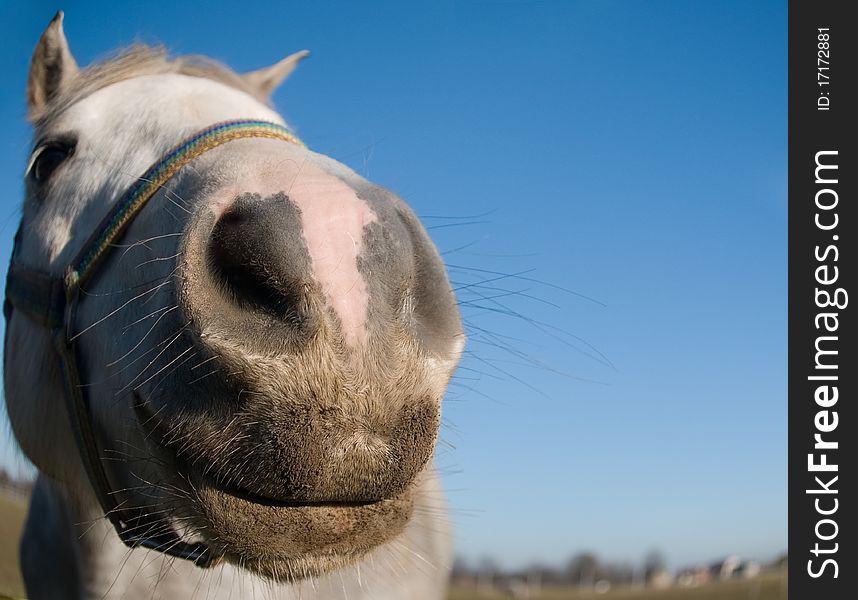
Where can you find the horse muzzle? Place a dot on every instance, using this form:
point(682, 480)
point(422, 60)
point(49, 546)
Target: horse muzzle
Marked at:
point(313, 308)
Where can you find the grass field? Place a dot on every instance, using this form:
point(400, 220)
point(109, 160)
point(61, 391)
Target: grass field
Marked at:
point(770, 586)
point(12, 513)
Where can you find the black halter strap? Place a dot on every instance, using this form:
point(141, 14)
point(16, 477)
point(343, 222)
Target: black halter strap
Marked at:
point(51, 301)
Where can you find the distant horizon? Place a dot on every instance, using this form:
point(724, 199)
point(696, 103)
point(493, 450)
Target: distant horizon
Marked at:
point(636, 566)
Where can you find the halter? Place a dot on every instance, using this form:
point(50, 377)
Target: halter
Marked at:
point(52, 302)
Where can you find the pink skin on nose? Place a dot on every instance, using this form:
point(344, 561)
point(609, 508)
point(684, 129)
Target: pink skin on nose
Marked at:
point(333, 219)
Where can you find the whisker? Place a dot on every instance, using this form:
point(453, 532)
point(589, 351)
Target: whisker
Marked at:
point(116, 310)
point(143, 339)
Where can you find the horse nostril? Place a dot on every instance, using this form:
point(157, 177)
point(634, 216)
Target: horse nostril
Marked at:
point(255, 252)
point(231, 217)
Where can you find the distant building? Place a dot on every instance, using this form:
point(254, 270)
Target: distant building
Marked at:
point(747, 568)
point(726, 568)
point(693, 576)
point(660, 579)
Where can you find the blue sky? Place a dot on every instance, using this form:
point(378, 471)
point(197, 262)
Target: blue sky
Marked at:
point(608, 182)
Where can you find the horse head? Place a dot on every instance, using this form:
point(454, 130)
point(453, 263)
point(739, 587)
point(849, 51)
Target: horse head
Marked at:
point(259, 348)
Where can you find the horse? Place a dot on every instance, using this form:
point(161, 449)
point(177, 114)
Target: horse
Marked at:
point(225, 353)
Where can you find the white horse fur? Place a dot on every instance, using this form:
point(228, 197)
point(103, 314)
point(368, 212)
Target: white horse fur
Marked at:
point(69, 549)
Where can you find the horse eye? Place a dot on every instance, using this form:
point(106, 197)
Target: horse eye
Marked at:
point(47, 158)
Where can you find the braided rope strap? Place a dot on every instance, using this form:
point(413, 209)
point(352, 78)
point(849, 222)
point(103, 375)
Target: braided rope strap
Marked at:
point(136, 527)
point(124, 211)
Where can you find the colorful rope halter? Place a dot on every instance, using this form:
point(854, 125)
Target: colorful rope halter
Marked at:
point(52, 302)
point(160, 173)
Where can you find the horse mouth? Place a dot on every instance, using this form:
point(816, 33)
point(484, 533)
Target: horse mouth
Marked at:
point(229, 488)
point(292, 540)
point(277, 538)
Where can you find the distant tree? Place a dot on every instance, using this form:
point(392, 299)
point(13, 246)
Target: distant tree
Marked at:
point(780, 562)
point(9, 482)
point(582, 569)
point(487, 572)
point(538, 574)
point(616, 573)
point(654, 562)
point(460, 568)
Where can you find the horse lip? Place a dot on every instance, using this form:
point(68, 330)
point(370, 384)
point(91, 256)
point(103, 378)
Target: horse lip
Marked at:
point(228, 488)
point(148, 421)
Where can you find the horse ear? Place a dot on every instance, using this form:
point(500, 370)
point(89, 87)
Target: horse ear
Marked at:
point(266, 80)
point(51, 67)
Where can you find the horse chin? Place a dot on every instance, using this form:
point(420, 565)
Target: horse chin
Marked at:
point(288, 542)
